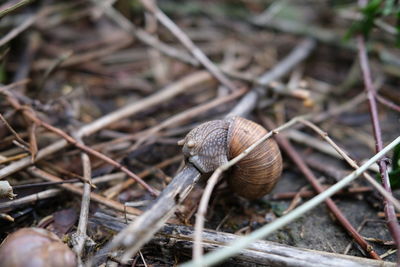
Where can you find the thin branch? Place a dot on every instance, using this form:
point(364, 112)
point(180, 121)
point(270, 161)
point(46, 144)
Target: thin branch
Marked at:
point(33, 147)
point(45, 184)
point(66, 61)
point(146, 38)
point(136, 234)
point(392, 223)
point(296, 56)
point(76, 190)
point(151, 6)
point(30, 198)
point(181, 117)
point(389, 197)
point(80, 236)
point(115, 190)
point(20, 28)
point(29, 113)
point(241, 243)
point(387, 103)
point(310, 194)
point(297, 159)
point(53, 192)
point(259, 253)
point(323, 147)
point(13, 85)
point(16, 135)
point(167, 93)
point(11, 6)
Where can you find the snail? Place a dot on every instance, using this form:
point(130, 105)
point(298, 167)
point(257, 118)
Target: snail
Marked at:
point(214, 143)
point(35, 247)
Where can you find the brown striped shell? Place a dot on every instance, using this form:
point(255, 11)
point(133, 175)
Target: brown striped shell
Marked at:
point(213, 143)
point(35, 247)
point(257, 173)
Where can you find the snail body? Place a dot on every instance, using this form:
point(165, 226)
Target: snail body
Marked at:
point(214, 143)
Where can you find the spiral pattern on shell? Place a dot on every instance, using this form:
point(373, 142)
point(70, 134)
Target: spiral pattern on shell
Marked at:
point(257, 173)
point(213, 143)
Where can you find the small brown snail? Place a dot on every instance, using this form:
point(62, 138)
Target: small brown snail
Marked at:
point(35, 247)
point(213, 143)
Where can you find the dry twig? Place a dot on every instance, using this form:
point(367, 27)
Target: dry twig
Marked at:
point(29, 113)
point(284, 143)
point(80, 236)
point(392, 223)
point(151, 6)
point(260, 252)
point(167, 93)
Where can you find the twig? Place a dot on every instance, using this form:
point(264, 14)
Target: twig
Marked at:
point(44, 184)
point(388, 253)
point(310, 194)
point(387, 103)
point(305, 139)
point(76, 190)
point(32, 141)
point(13, 85)
point(80, 236)
point(261, 252)
point(13, 158)
point(338, 109)
point(389, 197)
point(30, 198)
point(20, 28)
point(184, 116)
point(297, 55)
point(176, 119)
point(359, 228)
point(146, 38)
point(295, 200)
point(275, 86)
point(64, 61)
point(297, 159)
point(29, 113)
point(143, 228)
point(151, 6)
point(115, 190)
point(10, 6)
point(141, 256)
point(168, 92)
point(240, 243)
point(6, 217)
point(64, 172)
point(25, 162)
point(60, 60)
point(53, 192)
point(16, 135)
point(393, 226)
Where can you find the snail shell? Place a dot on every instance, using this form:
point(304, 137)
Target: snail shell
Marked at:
point(35, 247)
point(213, 143)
